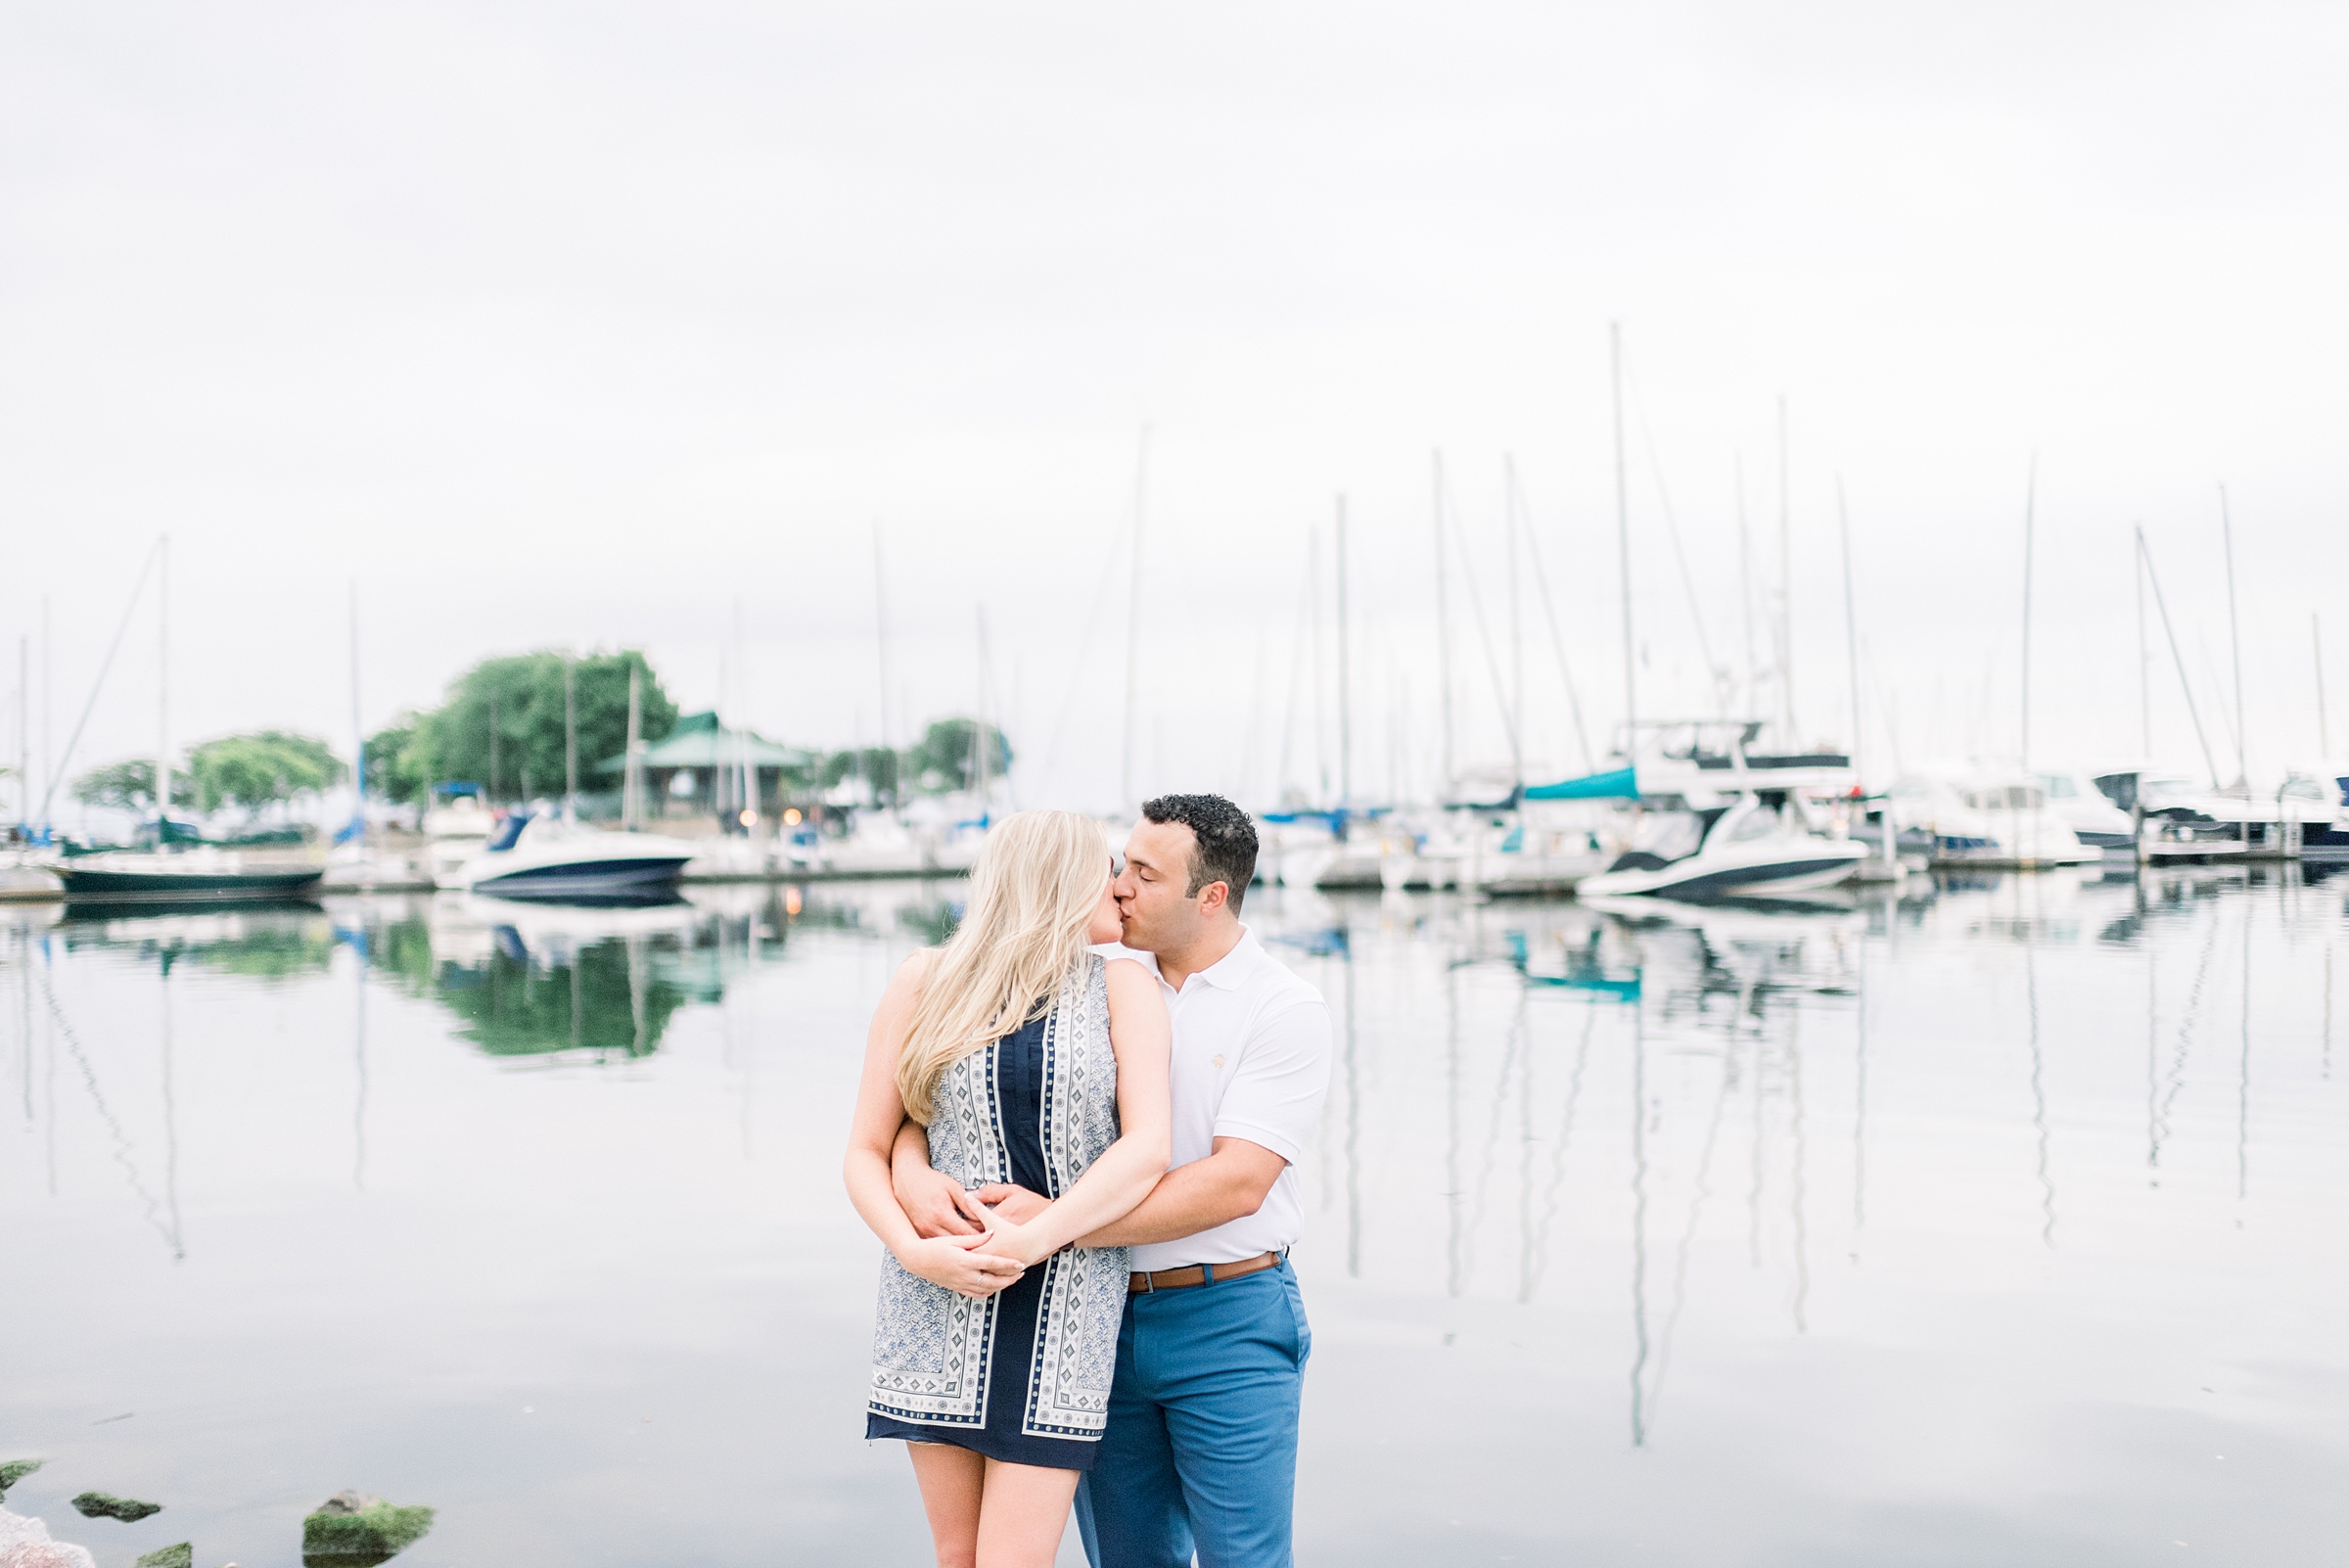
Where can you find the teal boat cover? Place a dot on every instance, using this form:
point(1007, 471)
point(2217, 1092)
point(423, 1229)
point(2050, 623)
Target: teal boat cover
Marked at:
point(1615, 785)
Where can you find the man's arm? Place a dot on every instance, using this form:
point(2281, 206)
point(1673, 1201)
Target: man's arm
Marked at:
point(936, 1202)
point(1231, 1184)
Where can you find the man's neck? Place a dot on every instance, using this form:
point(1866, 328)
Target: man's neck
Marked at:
point(1212, 946)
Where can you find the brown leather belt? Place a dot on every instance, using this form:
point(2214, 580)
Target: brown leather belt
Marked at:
point(1199, 1274)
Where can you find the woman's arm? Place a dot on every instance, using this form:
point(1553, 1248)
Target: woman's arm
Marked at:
point(1127, 1171)
point(950, 1261)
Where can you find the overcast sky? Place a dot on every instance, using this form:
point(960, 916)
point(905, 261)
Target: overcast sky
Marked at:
point(588, 326)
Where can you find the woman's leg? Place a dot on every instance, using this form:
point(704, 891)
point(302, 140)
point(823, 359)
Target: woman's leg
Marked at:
point(1022, 1515)
point(952, 1481)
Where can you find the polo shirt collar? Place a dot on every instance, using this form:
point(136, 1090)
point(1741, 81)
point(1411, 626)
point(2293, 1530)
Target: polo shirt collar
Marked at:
point(1227, 973)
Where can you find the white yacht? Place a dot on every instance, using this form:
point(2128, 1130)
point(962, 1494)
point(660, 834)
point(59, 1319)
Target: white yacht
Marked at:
point(537, 854)
point(2099, 824)
point(1717, 820)
point(1990, 820)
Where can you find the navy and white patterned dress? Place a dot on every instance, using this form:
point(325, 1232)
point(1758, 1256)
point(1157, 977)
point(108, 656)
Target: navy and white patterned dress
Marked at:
point(1023, 1375)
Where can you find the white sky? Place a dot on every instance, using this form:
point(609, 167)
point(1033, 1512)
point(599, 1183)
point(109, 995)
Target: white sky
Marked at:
point(585, 325)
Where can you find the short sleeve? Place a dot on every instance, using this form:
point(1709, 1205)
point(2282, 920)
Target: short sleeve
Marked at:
point(1275, 1094)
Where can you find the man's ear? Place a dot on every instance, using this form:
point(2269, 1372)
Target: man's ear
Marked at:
point(1214, 895)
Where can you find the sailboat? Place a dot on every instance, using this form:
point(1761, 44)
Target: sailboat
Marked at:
point(196, 875)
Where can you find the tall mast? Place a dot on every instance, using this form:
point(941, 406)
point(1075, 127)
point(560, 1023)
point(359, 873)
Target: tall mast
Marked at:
point(24, 728)
point(1313, 579)
point(1786, 585)
point(979, 740)
point(1508, 503)
point(1745, 592)
point(881, 638)
point(631, 807)
point(1134, 626)
point(2144, 671)
point(359, 727)
point(2161, 606)
point(1623, 549)
point(163, 690)
point(2242, 719)
point(570, 741)
point(2316, 638)
point(1442, 627)
point(1851, 617)
point(2029, 497)
point(1345, 679)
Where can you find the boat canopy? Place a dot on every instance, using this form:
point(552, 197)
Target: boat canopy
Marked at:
point(1617, 784)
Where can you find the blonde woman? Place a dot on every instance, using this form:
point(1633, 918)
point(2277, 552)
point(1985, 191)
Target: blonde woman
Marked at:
point(1033, 1061)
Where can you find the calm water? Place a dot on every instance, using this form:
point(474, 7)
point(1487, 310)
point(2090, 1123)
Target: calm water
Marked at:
point(1997, 1222)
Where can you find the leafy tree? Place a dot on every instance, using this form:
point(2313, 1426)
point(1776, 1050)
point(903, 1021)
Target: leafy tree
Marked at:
point(130, 786)
point(261, 770)
point(396, 769)
point(944, 758)
point(876, 764)
point(522, 697)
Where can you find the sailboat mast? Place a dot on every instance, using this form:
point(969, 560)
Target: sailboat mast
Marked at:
point(1851, 617)
point(1134, 626)
point(2161, 606)
point(359, 727)
point(2030, 498)
point(1508, 502)
point(570, 741)
point(1345, 679)
point(163, 690)
point(979, 740)
point(2316, 638)
point(1786, 585)
point(1622, 548)
point(2235, 634)
point(2144, 671)
point(631, 809)
point(1442, 626)
point(881, 635)
point(1745, 592)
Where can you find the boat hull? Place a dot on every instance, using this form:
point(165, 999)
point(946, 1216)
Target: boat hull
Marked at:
point(1822, 867)
point(186, 886)
point(573, 879)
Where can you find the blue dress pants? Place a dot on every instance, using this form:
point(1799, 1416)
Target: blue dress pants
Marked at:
point(1201, 1451)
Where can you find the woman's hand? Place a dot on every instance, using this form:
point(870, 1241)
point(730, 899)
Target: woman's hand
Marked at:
point(1022, 1242)
point(957, 1263)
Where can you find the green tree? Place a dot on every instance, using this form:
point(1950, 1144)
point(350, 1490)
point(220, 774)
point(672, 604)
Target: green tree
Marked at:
point(263, 768)
point(877, 764)
point(502, 726)
point(947, 757)
point(130, 786)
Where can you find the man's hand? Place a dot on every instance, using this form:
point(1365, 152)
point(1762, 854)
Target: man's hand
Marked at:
point(936, 1202)
point(1014, 1203)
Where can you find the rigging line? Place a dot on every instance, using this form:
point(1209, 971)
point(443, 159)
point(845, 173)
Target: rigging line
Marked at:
point(1297, 656)
point(1720, 677)
point(1557, 642)
point(1077, 667)
point(122, 1144)
point(2153, 579)
point(56, 770)
point(1476, 603)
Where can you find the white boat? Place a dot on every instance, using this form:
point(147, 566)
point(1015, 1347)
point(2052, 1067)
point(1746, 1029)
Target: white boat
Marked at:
point(454, 832)
point(540, 855)
point(1989, 820)
point(2099, 824)
point(1717, 820)
point(24, 877)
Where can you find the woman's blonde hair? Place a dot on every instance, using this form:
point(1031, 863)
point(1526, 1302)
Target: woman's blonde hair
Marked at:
point(1033, 890)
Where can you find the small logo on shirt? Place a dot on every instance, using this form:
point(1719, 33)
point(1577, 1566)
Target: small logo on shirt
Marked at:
point(1216, 1060)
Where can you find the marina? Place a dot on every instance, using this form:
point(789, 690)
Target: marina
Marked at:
point(1771, 1201)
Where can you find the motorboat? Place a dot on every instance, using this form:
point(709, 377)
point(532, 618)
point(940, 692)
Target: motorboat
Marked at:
point(25, 878)
point(1751, 846)
point(2099, 824)
point(1986, 820)
point(1716, 818)
point(2179, 824)
point(456, 828)
point(539, 854)
point(200, 875)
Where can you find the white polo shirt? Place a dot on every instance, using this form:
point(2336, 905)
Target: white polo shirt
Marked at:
point(1252, 1053)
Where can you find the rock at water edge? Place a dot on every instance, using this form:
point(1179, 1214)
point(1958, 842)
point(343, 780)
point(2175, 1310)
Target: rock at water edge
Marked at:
point(356, 1525)
point(106, 1505)
point(26, 1544)
point(182, 1555)
point(15, 1470)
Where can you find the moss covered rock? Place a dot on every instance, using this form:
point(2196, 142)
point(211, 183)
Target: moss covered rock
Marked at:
point(106, 1505)
point(14, 1471)
point(353, 1526)
point(182, 1555)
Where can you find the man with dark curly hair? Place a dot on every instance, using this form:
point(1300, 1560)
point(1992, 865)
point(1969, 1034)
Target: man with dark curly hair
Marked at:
point(1200, 1456)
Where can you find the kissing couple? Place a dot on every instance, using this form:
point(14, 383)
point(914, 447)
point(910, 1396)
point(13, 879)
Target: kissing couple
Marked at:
point(1081, 1165)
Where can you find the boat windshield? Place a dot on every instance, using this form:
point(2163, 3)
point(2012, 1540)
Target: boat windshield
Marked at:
point(1759, 824)
point(2059, 786)
point(1668, 835)
point(508, 830)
